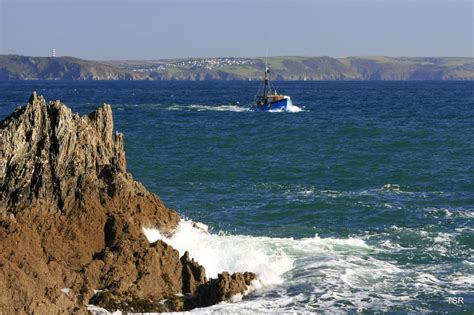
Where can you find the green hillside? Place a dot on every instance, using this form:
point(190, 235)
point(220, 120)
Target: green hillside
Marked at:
point(15, 67)
point(307, 68)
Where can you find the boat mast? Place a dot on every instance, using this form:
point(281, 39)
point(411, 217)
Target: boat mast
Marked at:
point(265, 86)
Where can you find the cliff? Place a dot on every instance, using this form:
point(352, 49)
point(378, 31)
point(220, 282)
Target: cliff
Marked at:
point(15, 67)
point(364, 68)
point(71, 221)
point(373, 68)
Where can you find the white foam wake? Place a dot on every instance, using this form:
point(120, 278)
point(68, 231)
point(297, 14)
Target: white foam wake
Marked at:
point(289, 109)
point(203, 108)
point(228, 108)
point(293, 109)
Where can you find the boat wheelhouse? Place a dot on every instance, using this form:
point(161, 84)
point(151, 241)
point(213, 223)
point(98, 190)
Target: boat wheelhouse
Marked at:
point(269, 99)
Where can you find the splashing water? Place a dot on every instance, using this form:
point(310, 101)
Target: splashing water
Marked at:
point(380, 170)
point(233, 253)
point(308, 274)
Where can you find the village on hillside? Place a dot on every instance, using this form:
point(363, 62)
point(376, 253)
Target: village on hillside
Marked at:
point(207, 63)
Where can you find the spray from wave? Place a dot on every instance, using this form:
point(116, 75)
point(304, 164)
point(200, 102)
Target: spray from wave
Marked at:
point(233, 253)
point(310, 274)
point(290, 271)
point(314, 274)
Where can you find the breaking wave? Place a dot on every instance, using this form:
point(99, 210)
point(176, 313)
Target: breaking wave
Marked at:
point(318, 274)
point(220, 252)
point(310, 274)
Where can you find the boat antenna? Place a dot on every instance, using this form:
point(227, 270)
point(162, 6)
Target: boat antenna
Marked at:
point(266, 60)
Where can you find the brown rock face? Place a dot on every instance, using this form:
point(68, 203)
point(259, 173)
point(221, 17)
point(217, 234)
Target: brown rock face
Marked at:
point(193, 274)
point(71, 217)
point(71, 220)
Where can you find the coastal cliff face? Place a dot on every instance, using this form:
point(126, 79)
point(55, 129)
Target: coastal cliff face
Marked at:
point(15, 67)
point(71, 220)
point(370, 68)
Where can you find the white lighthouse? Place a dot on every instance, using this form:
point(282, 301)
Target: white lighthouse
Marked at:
point(53, 53)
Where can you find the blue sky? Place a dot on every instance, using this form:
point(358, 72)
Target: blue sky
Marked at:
point(146, 29)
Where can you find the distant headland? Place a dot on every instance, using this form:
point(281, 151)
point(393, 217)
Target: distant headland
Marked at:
point(373, 68)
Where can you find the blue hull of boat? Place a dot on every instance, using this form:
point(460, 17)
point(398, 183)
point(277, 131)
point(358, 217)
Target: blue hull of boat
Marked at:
point(275, 106)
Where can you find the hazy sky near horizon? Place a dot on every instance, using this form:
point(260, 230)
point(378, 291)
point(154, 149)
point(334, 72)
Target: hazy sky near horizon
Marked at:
point(146, 29)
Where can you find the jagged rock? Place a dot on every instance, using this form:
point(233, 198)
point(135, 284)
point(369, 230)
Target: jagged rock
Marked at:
point(222, 288)
point(193, 274)
point(71, 217)
point(71, 222)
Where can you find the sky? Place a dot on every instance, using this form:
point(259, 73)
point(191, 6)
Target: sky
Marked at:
point(157, 29)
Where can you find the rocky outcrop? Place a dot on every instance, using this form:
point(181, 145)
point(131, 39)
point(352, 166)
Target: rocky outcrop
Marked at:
point(193, 274)
point(222, 288)
point(71, 219)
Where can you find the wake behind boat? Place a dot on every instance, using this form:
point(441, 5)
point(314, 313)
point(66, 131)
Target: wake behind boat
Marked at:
point(270, 100)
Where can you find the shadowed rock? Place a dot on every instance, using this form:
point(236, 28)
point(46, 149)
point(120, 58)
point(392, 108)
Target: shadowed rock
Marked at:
point(222, 288)
point(193, 274)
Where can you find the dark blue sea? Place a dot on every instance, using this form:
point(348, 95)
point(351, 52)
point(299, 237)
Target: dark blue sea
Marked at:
point(363, 201)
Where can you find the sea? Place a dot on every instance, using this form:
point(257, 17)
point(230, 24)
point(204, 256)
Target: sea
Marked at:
point(359, 200)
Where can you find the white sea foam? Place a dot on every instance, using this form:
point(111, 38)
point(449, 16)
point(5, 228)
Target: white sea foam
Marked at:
point(290, 109)
point(213, 108)
point(220, 108)
point(268, 257)
point(304, 192)
point(312, 274)
point(464, 280)
point(391, 187)
point(467, 214)
point(294, 109)
point(320, 264)
point(231, 253)
point(226, 108)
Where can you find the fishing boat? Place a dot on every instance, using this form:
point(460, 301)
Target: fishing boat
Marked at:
point(269, 99)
